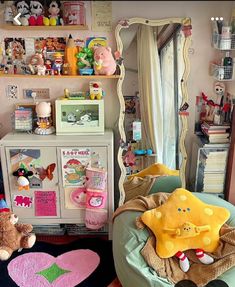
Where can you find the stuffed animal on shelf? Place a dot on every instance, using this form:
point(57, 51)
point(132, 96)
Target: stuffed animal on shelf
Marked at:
point(36, 12)
point(54, 18)
point(13, 236)
point(22, 7)
point(104, 63)
point(23, 177)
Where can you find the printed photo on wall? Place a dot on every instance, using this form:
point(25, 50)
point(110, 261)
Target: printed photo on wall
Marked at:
point(15, 48)
point(74, 162)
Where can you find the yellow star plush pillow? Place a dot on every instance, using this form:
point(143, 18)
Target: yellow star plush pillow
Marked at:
point(185, 222)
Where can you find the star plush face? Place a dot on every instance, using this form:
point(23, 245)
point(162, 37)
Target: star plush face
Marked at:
point(185, 222)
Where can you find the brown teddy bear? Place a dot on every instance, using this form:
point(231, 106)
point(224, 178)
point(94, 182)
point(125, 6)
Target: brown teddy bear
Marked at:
point(13, 235)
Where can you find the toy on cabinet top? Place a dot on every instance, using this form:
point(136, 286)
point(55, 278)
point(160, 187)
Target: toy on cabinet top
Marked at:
point(96, 91)
point(36, 13)
point(44, 122)
point(54, 18)
point(104, 63)
point(13, 236)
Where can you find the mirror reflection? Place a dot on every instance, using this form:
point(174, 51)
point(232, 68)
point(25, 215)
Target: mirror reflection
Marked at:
point(153, 69)
point(154, 66)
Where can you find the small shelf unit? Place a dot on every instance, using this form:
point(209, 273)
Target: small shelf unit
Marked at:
point(61, 76)
point(45, 28)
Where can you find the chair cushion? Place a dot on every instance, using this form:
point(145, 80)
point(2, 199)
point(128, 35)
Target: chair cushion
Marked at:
point(185, 222)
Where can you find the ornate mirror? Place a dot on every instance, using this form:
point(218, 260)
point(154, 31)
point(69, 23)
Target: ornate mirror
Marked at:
point(152, 92)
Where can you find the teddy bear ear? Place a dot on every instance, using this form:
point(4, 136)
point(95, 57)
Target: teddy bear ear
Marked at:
point(109, 49)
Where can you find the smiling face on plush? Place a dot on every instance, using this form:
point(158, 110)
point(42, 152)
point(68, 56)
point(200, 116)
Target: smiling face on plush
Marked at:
point(185, 222)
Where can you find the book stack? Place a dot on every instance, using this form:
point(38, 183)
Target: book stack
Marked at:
point(216, 133)
point(214, 171)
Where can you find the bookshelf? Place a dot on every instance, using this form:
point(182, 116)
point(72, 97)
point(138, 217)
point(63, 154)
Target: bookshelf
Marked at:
point(208, 167)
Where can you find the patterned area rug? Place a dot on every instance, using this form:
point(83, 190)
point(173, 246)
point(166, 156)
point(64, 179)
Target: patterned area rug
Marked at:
point(86, 262)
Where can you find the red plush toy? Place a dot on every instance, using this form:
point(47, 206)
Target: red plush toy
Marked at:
point(36, 11)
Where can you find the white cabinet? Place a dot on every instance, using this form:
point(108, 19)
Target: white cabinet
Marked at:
point(48, 199)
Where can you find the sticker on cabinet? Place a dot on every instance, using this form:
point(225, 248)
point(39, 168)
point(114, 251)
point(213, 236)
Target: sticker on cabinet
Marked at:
point(45, 203)
point(74, 162)
point(75, 197)
point(27, 157)
point(23, 201)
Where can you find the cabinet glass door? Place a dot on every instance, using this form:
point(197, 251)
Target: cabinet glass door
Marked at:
point(33, 181)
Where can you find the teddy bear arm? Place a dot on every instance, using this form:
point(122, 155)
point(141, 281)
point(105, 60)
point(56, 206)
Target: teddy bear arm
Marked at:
point(24, 227)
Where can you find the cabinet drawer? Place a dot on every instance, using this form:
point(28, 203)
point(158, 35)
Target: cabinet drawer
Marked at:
point(42, 161)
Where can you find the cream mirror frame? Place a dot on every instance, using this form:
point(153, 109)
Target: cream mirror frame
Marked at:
point(186, 28)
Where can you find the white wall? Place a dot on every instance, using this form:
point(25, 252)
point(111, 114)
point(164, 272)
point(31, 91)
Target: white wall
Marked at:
point(199, 80)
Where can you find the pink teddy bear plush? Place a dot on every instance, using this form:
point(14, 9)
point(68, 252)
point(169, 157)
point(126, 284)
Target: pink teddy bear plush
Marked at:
point(104, 63)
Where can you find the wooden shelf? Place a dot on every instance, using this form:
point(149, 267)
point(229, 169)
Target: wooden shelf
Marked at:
point(45, 28)
point(59, 77)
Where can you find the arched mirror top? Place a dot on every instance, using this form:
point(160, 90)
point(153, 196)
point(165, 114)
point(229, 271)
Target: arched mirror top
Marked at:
point(185, 26)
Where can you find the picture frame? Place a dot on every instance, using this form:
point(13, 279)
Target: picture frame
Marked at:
point(79, 117)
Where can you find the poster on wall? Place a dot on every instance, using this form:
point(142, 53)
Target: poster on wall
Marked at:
point(45, 203)
point(101, 16)
point(74, 162)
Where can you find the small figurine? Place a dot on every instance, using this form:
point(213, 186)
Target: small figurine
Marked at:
point(43, 110)
point(41, 70)
point(58, 62)
point(35, 61)
point(48, 65)
point(96, 91)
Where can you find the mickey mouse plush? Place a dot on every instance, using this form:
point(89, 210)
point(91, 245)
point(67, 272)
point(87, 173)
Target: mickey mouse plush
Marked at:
point(22, 7)
point(22, 180)
point(54, 14)
point(36, 11)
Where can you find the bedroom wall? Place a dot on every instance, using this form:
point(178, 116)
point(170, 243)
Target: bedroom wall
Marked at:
point(201, 54)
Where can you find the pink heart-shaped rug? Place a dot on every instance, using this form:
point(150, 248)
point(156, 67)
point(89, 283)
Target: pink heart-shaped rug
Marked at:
point(40, 269)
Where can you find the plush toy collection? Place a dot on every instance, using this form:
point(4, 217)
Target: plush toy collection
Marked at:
point(38, 13)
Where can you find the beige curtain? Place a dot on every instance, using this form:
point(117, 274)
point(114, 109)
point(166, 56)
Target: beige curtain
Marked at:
point(150, 90)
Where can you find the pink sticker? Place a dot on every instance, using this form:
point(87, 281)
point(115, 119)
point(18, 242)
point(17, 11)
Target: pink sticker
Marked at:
point(45, 203)
point(23, 201)
point(78, 197)
point(96, 199)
